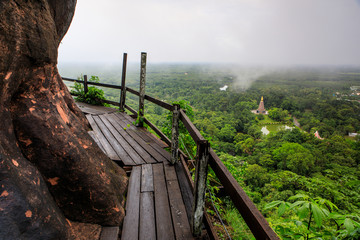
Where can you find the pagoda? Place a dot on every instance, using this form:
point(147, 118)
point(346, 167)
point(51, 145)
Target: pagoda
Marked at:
point(261, 109)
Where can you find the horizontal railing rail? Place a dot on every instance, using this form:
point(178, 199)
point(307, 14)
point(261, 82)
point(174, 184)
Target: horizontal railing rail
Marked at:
point(252, 216)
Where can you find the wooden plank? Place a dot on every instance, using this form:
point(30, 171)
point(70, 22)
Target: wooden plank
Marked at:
point(161, 142)
point(94, 110)
point(131, 110)
point(124, 144)
point(115, 144)
point(165, 141)
point(104, 142)
point(130, 228)
point(210, 227)
point(155, 156)
point(164, 226)
point(170, 172)
point(252, 216)
point(93, 136)
point(147, 180)
point(115, 122)
point(187, 187)
point(147, 137)
point(178, 211)
point(195, 134)
point(147, 228)
point(109, 233)
point(137, 136)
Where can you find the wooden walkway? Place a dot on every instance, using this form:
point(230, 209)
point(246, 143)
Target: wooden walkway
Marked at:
point(154, 208)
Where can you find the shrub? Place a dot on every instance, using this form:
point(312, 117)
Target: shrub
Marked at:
point(94, 95)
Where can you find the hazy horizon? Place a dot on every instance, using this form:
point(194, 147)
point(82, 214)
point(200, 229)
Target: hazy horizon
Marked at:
point(245, 32)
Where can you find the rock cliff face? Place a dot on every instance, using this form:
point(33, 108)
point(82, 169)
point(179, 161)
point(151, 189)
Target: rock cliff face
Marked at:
point(51, 171)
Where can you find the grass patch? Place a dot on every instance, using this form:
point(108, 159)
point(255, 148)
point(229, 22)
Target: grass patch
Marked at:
point(266, 120)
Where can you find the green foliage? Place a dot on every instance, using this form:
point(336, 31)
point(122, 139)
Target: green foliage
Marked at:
point(186, 143)
point(93, 96)
point(278, 114)
point(282, 164)
point(294, 157)
point(256, 176)
point(311, 214)
point(227, 133)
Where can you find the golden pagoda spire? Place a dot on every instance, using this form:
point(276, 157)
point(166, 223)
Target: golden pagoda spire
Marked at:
point(261, 109)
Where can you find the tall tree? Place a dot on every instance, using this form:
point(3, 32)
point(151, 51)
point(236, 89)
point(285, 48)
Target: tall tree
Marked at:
point(50, 169)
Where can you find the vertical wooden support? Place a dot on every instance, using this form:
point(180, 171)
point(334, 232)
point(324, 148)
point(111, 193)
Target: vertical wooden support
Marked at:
point(200, 187)
point(85, 84)
point(123, 88)
point(142, 90)
point(175, 134)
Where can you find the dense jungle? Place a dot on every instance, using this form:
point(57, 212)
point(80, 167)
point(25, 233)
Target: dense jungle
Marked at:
point(307, 187)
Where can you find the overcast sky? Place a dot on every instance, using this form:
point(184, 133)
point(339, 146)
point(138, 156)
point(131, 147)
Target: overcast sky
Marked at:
point(227, 31)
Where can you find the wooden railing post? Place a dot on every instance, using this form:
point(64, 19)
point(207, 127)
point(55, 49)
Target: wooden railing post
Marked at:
point(123, 88)
point(200, 187)
point(142, 90)
point(85, 84)
point(175, 134)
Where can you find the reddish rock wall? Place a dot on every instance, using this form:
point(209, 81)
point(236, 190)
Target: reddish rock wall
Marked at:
point(50, 169)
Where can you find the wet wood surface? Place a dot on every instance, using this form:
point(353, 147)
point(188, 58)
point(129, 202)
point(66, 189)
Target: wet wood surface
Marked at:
point(155, 207)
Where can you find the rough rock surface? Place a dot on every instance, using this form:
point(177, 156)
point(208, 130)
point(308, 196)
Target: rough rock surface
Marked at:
point(50, 168)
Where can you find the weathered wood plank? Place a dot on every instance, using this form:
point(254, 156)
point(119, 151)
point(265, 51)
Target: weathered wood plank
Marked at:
point(109, 233)
point(186, 188)
point(115, 122)
point(130, 228)
point(112, 140)
point(164, 227)
point(147, 180)
point(170, 172)
point(160, 142)
point(138, 137)
point(93, 136)
point(146, 135)
point(136, 159)
point(178, 211)
point(164, 140)
point(147, 228)
point(194, 132)
point(149, 138)
point(94, 110)
point(110, 152)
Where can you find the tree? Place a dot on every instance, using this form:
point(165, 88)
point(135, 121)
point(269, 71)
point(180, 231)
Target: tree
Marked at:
point(256, 176)
point(294, 157)
point(51, 169)
point(227, 133)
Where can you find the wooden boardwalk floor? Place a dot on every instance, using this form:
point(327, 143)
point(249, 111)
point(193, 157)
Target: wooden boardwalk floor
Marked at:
point(154, 208)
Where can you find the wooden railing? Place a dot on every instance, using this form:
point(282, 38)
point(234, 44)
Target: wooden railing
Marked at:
point(193, 192)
